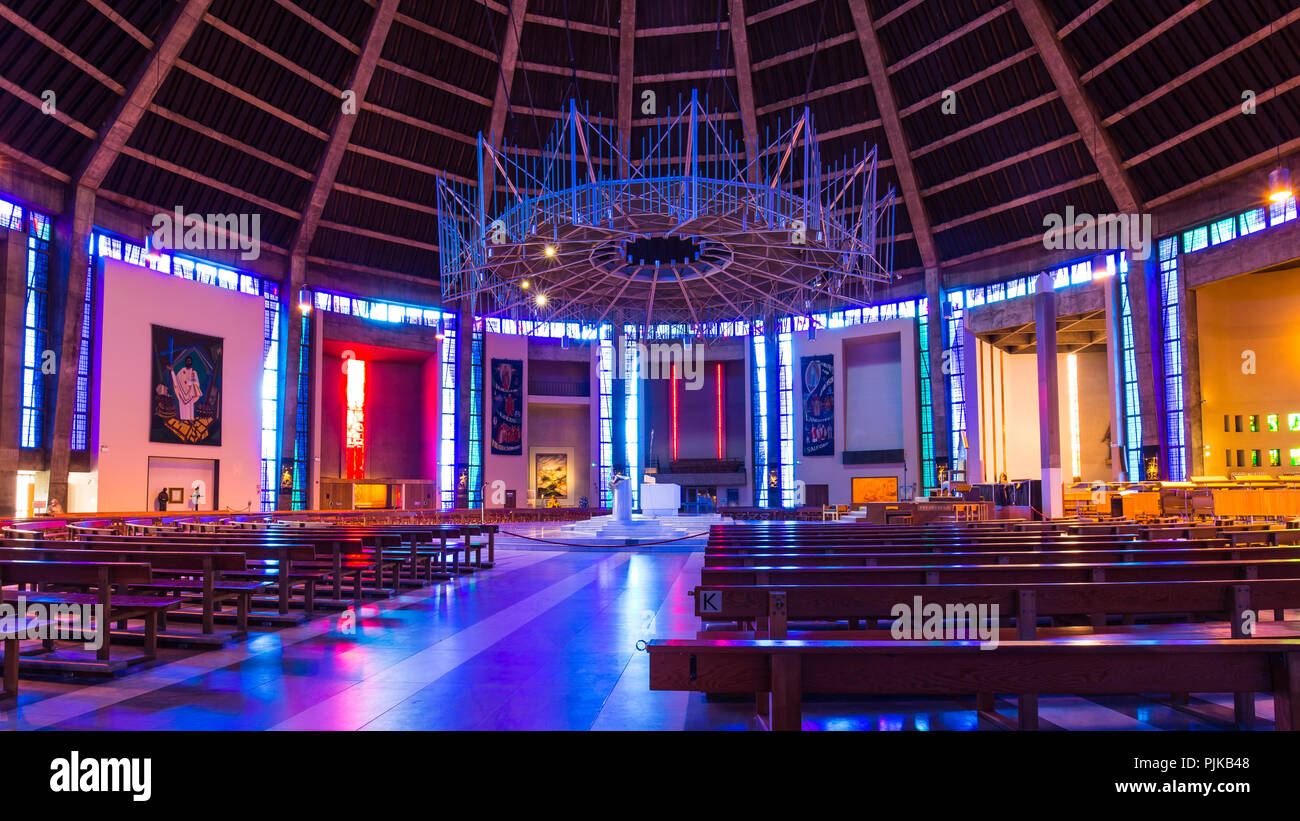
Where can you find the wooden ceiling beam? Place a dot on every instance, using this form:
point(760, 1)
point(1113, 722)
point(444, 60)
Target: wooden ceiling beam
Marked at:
point(1142, 39)
point(626, 67)
point(897, 139)
point(506, 73)
point(377, 33)
point(1084, 16)
point(744, 86)
point(134, 102)
point(439, 34)
point(951, 37)
point(1204, 66)
point(25, 26)
point(1102, 148)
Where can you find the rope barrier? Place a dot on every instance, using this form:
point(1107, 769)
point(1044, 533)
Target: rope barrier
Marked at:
point(582, 544)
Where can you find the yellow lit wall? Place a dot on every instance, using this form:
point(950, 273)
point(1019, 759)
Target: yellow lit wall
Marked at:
point(1258, 313)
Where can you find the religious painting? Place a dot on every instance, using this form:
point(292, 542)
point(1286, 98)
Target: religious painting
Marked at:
point(552, 471)
point(185, 397)
point(507, 407)
point(818, 404)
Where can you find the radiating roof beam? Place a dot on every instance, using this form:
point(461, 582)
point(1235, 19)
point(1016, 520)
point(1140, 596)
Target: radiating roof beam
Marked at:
point(1105, 155)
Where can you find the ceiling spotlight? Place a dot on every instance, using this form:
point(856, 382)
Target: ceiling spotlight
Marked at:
point(540, 300)
point(1279, 185)
point(548, 251)
point(525, 284)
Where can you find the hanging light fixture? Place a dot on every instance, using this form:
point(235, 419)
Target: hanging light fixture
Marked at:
point(1279, 184)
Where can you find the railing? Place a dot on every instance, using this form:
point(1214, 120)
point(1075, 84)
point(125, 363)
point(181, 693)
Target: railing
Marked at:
point(559, 387)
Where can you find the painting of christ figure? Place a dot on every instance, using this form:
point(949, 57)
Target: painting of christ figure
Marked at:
point(185, 400)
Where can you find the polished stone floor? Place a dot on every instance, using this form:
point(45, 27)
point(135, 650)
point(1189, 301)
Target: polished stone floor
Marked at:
point(546, 640)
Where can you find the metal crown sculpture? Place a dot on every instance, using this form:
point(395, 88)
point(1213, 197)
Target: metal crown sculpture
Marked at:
point(687, 234)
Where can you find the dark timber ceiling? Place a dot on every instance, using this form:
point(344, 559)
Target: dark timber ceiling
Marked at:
point(242, 121)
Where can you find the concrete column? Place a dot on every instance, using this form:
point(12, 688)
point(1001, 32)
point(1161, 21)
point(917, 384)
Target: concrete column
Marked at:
point(938, 379)
point(12, 303)
point(1115, 377)
point(70, 259)
point(1049, 416)
point(464, 350)
point(291, 318)
point(313, 455)
point(974, 418)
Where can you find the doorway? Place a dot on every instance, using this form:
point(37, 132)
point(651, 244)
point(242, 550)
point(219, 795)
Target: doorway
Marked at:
point(177, 484)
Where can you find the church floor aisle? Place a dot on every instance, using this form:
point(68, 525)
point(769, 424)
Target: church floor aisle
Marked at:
point(545, 641)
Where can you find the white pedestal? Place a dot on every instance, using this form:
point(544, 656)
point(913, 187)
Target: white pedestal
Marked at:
point(661, 499)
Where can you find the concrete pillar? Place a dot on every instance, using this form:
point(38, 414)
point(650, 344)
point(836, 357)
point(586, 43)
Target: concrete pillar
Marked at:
point(291, 318)
point(464, 351)
point(1049, 416)
point(70, 259)
point(12, 303)
point(1115, 376)
point(938, 379)
point(971, 371)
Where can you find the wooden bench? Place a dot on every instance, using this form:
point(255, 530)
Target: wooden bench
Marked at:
point(788, 670)
point(272, 565)
point(1136, 552)
point(103, 577)
point(1005, 573)
point(210, 588)
point(771, 608)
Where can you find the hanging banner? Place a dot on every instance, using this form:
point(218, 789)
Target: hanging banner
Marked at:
point(818, 404)
point(508, 407)
point(185, 390)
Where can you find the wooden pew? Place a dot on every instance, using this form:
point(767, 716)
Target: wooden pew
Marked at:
point(1140, 552)
point(790, 669)
point(924, 548)
point(103, 577)
point(1229, 599)
point(1005, 573)
point(210, 588)
point(331, 559)
point(281, 564)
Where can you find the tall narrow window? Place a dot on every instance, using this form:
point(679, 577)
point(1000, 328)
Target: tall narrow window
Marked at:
point(632, 410)
point(1128, 358)
point(298, 497)
point(785, 368)
point(354, 446)
point(81, 404)
point(270, 393)
point(721, 413)
point(474, 482)
point(928, 477)
point(447, 412)
point(1072, 375)
point(605, 374)
point(954, 358)
point(35, 331)
point(1172, 341)
point(758, 390)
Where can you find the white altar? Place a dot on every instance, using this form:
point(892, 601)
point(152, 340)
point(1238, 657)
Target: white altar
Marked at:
point(660, 499)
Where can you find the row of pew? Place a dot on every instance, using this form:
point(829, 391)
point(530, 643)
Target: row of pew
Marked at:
point(203, 582)
point(794, 609)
